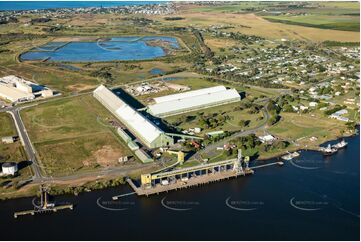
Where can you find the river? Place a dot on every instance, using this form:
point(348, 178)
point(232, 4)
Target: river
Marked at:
point(311, 198)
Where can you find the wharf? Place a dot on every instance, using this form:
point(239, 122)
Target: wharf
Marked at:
point(193, 181)
point(43, 210)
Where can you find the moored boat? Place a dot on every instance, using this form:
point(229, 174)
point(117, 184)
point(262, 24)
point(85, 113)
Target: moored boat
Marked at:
point(328, 150)
point(290, 156)
point(340, 145)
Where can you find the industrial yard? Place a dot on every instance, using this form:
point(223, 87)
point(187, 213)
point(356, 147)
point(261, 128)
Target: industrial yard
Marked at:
point(146, 116)
point(199, 90)
point(16, 90)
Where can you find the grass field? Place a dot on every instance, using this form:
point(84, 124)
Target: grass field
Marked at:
point(347, 23)
point(7, 126)
point(230, 7)
point(300, 128)
point(72, 135)
point(9, 152)
point(229, 125)
point(12, 153)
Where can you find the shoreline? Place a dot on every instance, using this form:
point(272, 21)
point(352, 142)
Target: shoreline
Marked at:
point(311, 148)
point(106, 182)
point(90, 39)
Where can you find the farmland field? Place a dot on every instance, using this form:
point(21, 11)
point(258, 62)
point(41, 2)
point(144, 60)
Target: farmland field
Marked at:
point(347, 23)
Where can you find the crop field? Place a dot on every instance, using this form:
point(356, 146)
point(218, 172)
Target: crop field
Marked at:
point(252, 22)
point(347, 23)
point(324, 15)
point(72, 134)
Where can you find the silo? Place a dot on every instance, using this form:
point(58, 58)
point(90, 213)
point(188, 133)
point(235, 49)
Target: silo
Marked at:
point(9, 168)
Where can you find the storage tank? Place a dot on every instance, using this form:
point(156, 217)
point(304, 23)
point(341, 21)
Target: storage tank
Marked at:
point(9, 168)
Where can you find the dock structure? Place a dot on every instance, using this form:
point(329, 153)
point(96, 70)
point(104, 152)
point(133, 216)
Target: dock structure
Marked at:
point(194, 181)
point(45, 205)
point(43, 210)
point(191, 176)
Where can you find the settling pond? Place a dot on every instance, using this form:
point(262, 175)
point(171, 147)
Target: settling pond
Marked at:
point(112, 49)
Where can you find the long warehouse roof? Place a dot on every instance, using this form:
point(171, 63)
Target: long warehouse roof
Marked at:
point(129, 116)
point(189, 103)
point(189, 94)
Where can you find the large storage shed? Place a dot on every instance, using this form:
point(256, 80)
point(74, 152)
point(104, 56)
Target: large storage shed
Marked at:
point(193, 93)
point(147, 132)
point(193, 100)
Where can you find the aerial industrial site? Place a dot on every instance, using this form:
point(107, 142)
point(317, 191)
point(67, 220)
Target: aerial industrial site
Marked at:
point(140, 101)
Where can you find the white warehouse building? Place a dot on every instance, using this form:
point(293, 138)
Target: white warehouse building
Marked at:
point(147, 132)
point(193, 100)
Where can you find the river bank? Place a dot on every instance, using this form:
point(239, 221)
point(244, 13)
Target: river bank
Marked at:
point(93, 183)
point(311, 198)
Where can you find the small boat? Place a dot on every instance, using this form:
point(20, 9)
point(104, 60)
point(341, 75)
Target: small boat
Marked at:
point(340, 145)
point(328, 150)
point(290, 156)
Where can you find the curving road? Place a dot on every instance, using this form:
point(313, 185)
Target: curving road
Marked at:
point(25, 140)
point(210, 149)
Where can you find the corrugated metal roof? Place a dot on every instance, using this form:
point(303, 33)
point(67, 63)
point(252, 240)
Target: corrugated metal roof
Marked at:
point(129, 116)
point(189, 94)
point(143, 126)
point(193, 102)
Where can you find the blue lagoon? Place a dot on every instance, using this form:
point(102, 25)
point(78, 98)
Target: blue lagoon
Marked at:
point(113, 49)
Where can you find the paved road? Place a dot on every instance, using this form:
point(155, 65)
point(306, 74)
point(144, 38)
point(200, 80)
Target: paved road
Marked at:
point(28, 147)
point(210, 149)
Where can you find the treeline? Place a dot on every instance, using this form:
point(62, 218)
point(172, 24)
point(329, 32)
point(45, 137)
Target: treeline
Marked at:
point(104, 73)
point(329, 43)
point(334, 110)
point(7, 20)
point(273, 110)
point(206, 50)
point(173, 18)
point(175, 29)
point(139, 21)
point(18, 36)
point(40, 20)
point(86, 187)
point(251, 143)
